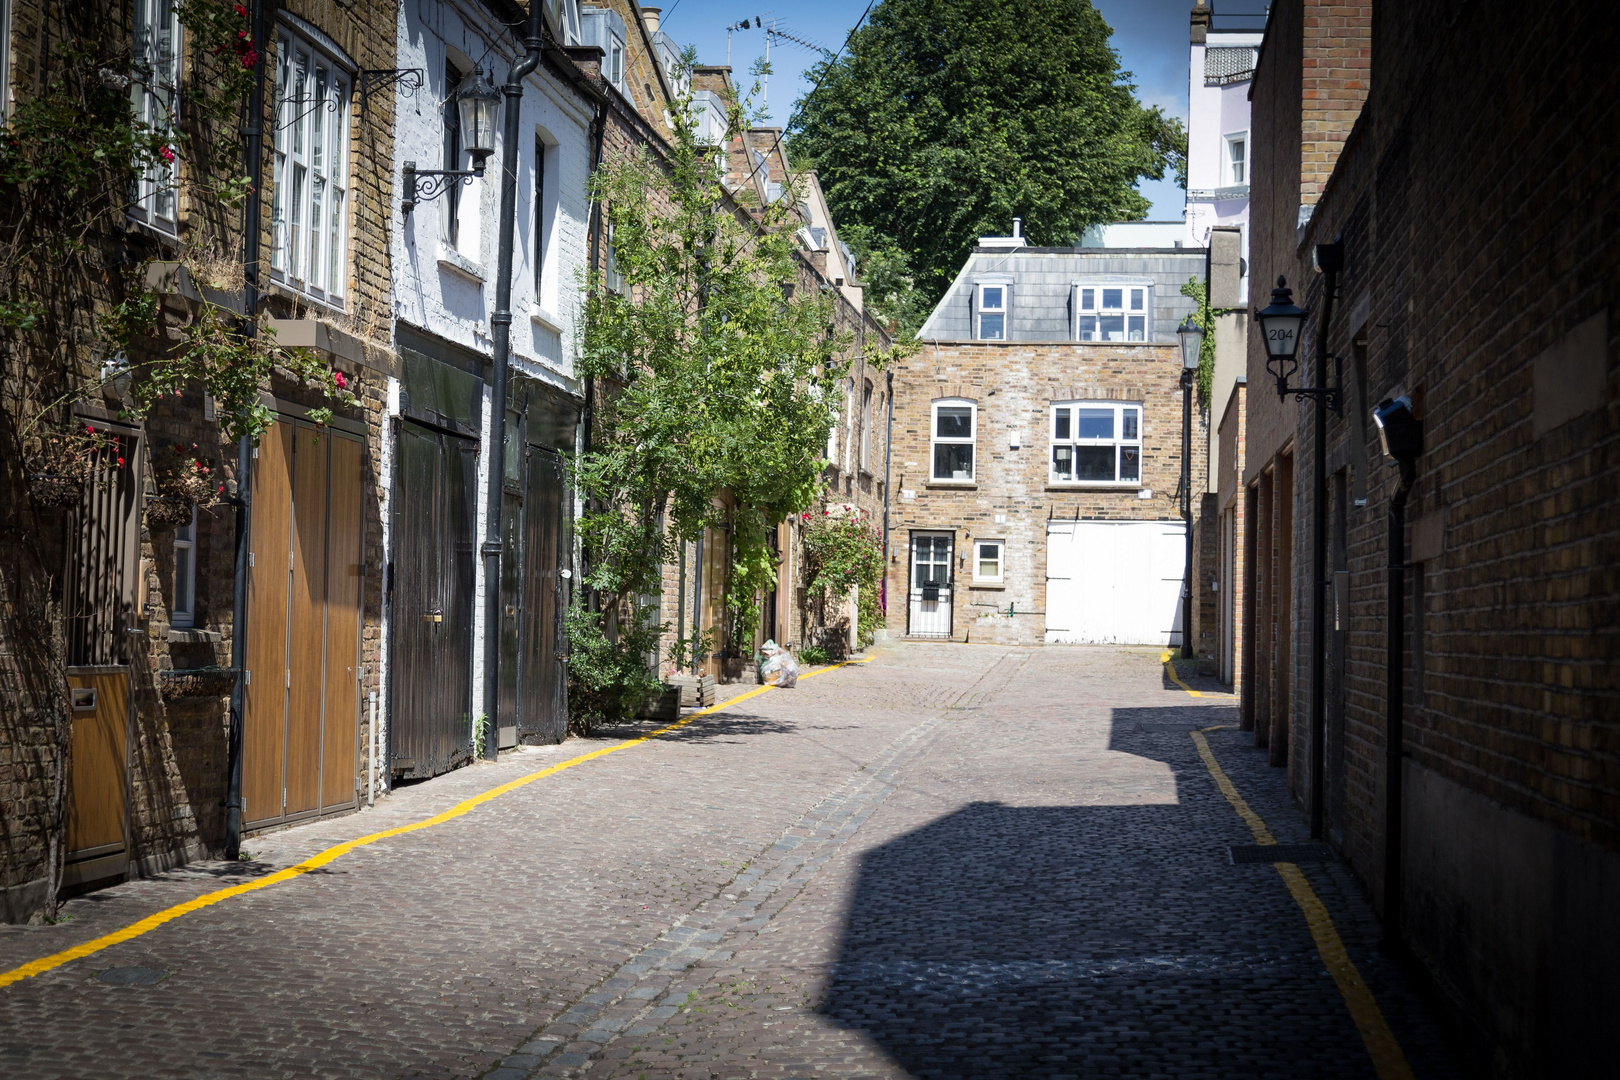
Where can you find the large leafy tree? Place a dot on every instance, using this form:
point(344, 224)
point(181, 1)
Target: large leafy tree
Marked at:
point(948, 117)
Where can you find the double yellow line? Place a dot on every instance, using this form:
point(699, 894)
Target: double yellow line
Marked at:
point(331, 854)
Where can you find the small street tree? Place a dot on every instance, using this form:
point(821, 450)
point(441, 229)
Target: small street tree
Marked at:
point(717, 372)
point(946, 118)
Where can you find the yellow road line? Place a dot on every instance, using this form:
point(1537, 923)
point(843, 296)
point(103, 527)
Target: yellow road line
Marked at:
point(1170, 670)
point(315, 862)
point(1385, 1052)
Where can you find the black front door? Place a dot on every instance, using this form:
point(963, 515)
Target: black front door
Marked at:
point(435, 477)
point(533, 698)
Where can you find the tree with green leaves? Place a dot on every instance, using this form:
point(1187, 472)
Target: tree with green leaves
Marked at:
point(947, 118)
point(719, 372)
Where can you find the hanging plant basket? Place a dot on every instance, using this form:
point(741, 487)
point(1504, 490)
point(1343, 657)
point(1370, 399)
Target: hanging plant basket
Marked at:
point(54, 490)
point(182, 475)
point(168, 511)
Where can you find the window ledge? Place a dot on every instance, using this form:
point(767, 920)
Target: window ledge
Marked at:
point(547, 319)
point(207, 637)
point(959, 484)
point(280, 287)
point(989, 586)
point(1093, 486)
point(454, 261)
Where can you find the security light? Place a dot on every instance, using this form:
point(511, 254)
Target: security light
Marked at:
point(1280, 322)
point(1400, 432)
point(1192, 339)
point(478, 104)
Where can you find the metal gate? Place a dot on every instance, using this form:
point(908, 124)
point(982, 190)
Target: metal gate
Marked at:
point(533, 703)
point(101, 623)
point(929, 614)
point(301, 709)
point(435, 483)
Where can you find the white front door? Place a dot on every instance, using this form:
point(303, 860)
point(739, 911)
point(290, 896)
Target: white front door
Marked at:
point(930, 604)
point(1114, 582)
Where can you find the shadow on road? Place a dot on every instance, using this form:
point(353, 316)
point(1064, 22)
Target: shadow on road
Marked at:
point(1068, 941)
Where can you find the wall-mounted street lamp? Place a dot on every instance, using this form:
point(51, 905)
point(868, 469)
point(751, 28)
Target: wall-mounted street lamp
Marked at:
point(1191, 335)
point(478, 106)
point(1281, 324)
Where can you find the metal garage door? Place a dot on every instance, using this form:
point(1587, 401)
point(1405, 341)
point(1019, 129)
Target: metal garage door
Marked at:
point(1114, 582)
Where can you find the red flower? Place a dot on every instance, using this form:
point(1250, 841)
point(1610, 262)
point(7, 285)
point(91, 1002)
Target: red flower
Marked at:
point(251, 59)
point(342, 383)
point(241, 11)
point(166, 154)
point(120, 463)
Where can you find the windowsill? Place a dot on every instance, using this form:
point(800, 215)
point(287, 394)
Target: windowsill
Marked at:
point(988, 586)
point(292, 292)
point(866, 474)
point(547, 319)
point(1079, 485)
point(202, 637)
point(952, 484)
point(454, 261)
point(156, 233)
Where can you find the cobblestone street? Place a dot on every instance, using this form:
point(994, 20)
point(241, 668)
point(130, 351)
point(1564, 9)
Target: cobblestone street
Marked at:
point(951, 861)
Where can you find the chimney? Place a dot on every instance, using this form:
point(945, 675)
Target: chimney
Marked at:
point(1018, 227)
point(1201, 14)
point(649, 18)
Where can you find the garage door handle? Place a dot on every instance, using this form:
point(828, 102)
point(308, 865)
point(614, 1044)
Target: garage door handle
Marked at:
point(434, 616)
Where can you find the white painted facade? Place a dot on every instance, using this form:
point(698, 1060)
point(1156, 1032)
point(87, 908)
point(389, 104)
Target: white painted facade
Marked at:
point(444, 277)
point(1219, 145)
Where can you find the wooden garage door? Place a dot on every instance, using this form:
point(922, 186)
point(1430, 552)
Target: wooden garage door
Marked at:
point(304, 593)
point(1114, 582)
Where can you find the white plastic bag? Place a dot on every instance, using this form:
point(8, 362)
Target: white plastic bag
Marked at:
point(779, 668)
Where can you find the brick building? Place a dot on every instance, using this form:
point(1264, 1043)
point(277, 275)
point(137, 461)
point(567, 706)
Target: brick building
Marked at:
point(1308, 86)
point(1037, 455)
point(142, 649)
point(1477, 281)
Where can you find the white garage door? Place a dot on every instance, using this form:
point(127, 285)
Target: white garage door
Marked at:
point(1114, 582)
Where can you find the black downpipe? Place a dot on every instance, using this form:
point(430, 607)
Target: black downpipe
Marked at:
point(888, 455)
point(500, 322)
point(1186, 513)
point(253, 132)
point(587, 414)
point(1319, 565)
point(1395, 690)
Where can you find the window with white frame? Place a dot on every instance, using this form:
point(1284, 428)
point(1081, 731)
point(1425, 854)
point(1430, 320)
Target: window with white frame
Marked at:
point(183, 610)
point(1096, 442)
point(989, 561)
point(5, 59)
point(154, 91)
point(1237, 158)
point(309, 201)
point(954, 428)
point(991, 313)
point(866, 424)
point(1106, 312)
point(540, 218)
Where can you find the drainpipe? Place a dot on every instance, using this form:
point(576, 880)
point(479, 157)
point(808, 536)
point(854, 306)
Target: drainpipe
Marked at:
point(598, 133)
point(1395, 691)
point(888, 456)
point(1319, 576)
point(253, 136)
point(500, 322)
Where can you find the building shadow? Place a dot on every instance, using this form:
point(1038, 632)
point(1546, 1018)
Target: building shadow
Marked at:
point(1074, 941)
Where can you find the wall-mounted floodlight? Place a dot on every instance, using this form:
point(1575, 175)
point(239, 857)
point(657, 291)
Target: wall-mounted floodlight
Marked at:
point(1399, 430)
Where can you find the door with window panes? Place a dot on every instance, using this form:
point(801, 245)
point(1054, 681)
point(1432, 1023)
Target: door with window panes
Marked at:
point(929, 610)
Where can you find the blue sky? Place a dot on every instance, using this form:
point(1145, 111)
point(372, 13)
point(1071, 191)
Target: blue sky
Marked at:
point(1150, 35)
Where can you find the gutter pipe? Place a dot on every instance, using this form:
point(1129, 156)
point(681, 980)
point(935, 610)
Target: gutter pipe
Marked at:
point(253, 132)
point(500, 322)
point(888, 455)
point(1319, 575)
point(1395, 691)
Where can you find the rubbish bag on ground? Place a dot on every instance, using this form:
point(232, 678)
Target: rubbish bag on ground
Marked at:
point(779, 669)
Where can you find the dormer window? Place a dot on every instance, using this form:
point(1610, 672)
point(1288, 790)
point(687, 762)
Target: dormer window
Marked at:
point(991, 315)
point(1106, 312)
point(604, 28)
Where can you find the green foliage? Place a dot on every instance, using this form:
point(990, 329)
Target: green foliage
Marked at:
point(719, 377)
point(812, 656)
point(948, 117)
point(1198, 291)
point(845, 551)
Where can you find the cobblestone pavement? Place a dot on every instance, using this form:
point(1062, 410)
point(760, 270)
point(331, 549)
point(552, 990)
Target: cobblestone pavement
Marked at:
point(955, 861)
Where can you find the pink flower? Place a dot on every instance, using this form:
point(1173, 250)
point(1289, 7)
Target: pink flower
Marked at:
point(250, 59)
point(166, 154)
point(342, 382)
point(120, 463)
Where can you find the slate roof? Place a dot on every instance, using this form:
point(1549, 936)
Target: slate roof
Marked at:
point(1042, 281)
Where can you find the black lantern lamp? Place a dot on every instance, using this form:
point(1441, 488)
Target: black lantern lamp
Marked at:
point(1280, 324)
point(478, 108)
point(1191, 336)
